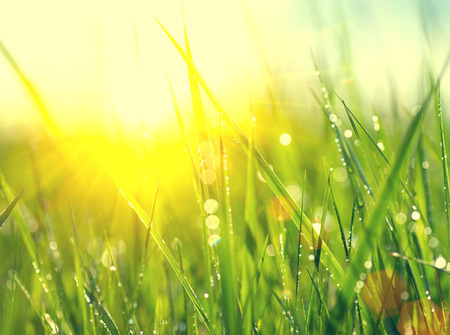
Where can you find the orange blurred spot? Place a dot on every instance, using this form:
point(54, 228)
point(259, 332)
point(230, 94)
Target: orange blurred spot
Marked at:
point(421, 317)
point(277, 210)
point(382, 292)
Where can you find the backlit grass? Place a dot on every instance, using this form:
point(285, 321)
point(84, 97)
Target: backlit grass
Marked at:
point(336, 223)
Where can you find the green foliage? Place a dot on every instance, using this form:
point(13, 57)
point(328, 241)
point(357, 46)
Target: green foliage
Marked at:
point(358, 246)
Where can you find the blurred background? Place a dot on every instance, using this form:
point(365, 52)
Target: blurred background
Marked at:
point(90, 60)
point(101, 68)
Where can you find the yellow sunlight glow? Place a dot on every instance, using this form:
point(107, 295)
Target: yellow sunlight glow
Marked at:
point(94, 61)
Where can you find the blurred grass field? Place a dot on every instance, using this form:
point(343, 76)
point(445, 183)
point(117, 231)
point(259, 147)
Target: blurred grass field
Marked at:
point(302, 198)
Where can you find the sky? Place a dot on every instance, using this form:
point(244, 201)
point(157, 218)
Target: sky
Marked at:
point(93, 59)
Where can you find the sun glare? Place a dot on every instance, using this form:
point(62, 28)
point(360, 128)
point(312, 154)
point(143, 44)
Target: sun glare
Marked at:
point(102, 60)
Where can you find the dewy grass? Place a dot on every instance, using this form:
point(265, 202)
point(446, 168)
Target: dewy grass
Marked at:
point(7, 211)
point(378, 265)
point(444, 159)
point(271, 178)
point(378, 216)
point(166, 251)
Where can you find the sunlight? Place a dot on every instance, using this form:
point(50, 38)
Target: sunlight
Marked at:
point(111, 59)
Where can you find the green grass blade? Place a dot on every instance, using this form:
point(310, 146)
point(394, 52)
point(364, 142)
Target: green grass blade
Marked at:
point(286, 310)
point(353, 118)
point(444, 160)
point(105, 318)
point(369, 236)
point(299, 246)
point(271, 178)
point(30, 300)
point(48, 121)
point(352, 223)
point(145, 219)
point(144, 260)
point(346, 155)
point(7, 211)
point(201, 193)
point(225, 249)
point(341, 229)
point(319, 295)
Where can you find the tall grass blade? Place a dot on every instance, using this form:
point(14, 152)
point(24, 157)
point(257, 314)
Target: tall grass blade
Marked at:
point(225, 249)
point(372, 230)
point(145, 219)
point(444, 160)
point(341, 229)
point(105, 318)
point(271, 178)
point(200, 191)
point(319, 295)
point(299, 246)
point(7, 211)
point(48, 121)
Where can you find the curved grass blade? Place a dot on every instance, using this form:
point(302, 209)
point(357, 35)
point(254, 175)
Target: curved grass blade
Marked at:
point(352, 117)
point(286, 310)
point(225, 250)
point(373, 228)
point(105, 318)
point(444, 159)
point(346, 155)
point(319, 295)
point(144, 260)
point(271, 178)
point(418, 260)
point(48, 121)
point(352, 223)
point(142, 215)
point(7, 211)
point(341, 229)
point(299, 246)
point(32, 303)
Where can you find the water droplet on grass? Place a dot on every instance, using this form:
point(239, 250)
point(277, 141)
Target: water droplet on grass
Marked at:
point(433, 242)
point(213, 240)
point(440, 262)
point(212, 222)
point(415, 215)
point(211, 206)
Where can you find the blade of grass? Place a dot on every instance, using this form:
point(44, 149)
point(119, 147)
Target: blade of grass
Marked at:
point(201, 193)
point(144, 259)
point(78, 271)
point(7, 211)
point(322, 304)
point(444, 160)
point(317, 252)
point(299, 246)
point(352, 223)
point(225, 249)
point(372, 230)
point(249, 265)
point(30, 300)
point(142, 215)
point(418, 260)
point(105, 318)
point(261, 260)
point(271, 178)
point(285, 310)
point(48, 121)
point(344, 242)
point(346, 155)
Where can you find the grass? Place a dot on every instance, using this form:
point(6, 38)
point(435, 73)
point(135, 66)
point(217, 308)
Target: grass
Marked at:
point(234, 244)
